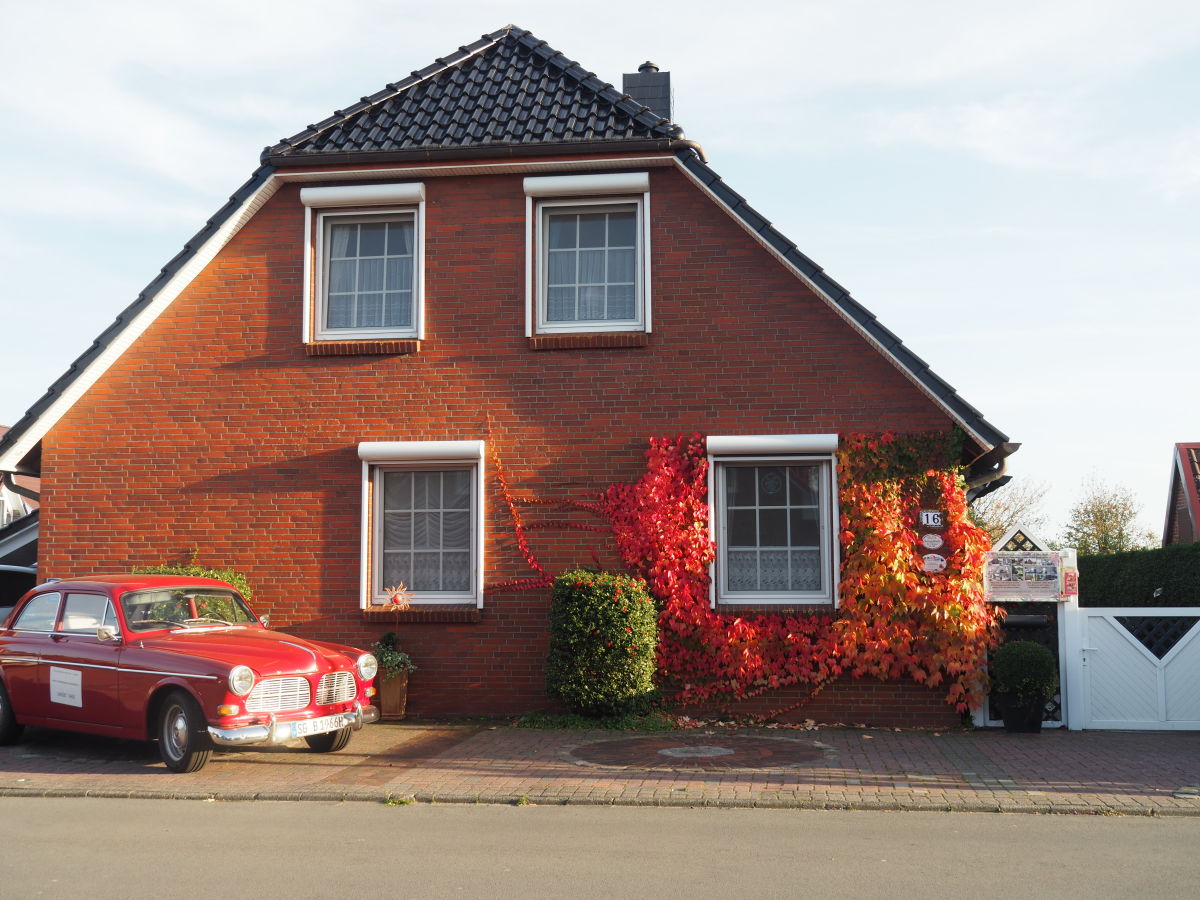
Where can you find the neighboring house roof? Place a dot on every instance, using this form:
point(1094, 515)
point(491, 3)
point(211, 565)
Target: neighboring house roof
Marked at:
point(1183, 499)
point(18, 541)
point(508, 94)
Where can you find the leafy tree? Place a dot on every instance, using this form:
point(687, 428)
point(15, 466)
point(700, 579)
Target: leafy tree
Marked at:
point(1017, 503)
point(1104, 520)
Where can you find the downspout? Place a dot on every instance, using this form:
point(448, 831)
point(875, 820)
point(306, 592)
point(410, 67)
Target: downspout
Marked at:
point(988, 472)
point(6, 479)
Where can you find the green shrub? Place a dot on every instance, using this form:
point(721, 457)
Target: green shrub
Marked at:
point(192, 570)
point(1167, 576)
point(603, 635)
point(1026, 669)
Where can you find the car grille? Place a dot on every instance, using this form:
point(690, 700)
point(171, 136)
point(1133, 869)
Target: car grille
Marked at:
point(279, 695)
point(336, 687)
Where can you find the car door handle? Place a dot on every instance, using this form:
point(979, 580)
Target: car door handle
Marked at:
point(58, 637)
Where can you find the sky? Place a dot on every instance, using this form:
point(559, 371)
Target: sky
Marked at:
point(1014, 189)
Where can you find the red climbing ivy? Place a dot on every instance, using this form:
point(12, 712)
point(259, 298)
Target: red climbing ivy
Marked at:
point(894, 620)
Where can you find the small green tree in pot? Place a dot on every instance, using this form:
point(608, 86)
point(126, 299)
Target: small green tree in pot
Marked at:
point(392, 680)
point(1025, 676)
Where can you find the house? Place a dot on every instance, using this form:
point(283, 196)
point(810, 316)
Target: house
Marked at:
point(1183, 500)
point(476, 293)
point(18, 535)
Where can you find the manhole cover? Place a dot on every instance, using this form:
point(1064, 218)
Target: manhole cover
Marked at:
point(702, 751)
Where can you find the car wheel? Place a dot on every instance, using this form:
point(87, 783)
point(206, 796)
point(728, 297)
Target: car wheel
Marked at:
point(182, 741)
point(330, 741)
point(10, 730)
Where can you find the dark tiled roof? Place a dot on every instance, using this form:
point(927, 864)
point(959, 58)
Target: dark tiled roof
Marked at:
point(508, 88)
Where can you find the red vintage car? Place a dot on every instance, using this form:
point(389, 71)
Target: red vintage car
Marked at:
point(181, 660)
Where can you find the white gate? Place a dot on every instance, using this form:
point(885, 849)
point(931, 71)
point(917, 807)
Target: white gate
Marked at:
point(1133, 668)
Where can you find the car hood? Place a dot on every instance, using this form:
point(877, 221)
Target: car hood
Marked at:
point(266, 652)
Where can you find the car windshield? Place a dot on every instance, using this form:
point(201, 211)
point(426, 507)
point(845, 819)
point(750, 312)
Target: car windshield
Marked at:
point(184, 608)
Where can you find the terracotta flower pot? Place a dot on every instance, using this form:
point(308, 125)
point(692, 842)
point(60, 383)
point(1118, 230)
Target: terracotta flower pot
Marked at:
point(393, 696)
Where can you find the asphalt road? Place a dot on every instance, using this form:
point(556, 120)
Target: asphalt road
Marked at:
point(107, 848)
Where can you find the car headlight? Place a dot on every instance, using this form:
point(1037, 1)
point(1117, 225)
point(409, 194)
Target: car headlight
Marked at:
point(241, 680)
point(368, 665)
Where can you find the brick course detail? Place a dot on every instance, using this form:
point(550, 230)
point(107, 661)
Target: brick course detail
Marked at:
point(217, 431)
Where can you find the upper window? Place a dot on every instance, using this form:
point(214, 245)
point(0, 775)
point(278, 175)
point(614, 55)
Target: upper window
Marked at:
point(588, 253)
point(365, 273)
point(423, 502)
point(39, 614)
point(84, 613)
point(773, 524)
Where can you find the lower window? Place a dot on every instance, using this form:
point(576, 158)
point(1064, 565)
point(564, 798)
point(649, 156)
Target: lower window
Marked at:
point(423, 520)
point(773, 518)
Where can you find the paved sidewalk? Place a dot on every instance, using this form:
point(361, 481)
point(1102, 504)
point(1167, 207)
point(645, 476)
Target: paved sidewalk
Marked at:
point(1137, 773)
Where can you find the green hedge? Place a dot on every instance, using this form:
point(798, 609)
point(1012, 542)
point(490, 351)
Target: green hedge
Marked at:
point(1132, 578)
point(603, 636)
point(229, 576)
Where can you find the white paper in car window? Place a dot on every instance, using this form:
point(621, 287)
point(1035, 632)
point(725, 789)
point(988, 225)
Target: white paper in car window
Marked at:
point(66, 686)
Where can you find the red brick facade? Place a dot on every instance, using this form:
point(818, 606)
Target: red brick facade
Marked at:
point(217, 431)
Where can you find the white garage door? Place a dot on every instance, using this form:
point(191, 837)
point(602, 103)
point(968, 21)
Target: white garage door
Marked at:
point(1141, 668)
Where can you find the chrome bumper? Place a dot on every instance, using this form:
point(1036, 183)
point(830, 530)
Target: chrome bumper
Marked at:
point(279, 732)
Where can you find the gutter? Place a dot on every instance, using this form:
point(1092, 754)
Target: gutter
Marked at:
point(6, 479)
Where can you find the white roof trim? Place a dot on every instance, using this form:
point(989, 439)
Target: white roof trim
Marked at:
point(850, 320)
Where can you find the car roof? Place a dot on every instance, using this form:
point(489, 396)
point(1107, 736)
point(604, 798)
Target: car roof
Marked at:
point(132, 582)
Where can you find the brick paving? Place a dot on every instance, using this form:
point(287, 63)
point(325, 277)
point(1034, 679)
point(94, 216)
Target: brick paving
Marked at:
point(1140, 773)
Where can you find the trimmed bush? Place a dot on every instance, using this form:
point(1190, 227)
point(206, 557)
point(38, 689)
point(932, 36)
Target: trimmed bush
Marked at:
point(1024, 668)
point(603, 637)
point(1135, 577)
point(192, 570)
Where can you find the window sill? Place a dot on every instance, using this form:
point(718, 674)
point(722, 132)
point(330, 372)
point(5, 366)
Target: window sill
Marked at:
point(812, 608)
point(456, 613)
point(363, 348)
point(592, 340)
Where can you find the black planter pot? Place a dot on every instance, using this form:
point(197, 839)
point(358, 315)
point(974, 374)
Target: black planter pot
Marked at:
point(1021, 715)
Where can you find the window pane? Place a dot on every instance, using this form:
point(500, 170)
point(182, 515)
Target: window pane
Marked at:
point(397, 568)
point(592, 230)
point(397, 531)
point(399, 275)
point(621, 265)
point(397, 490)
point(620, 302)
point(806, 532)
point(456, 486)
point(427, 490)
point(341, 276)
point(370, 275)
point(343, 241)
point(427, 531)
point(400, 238)
point(562, 267)
point(427, 572)
point(622, 229)
point(742, 570)
point(562, 231)
point(772, 528)
point(372, 238)
point(739, 486)
point(773, 570)
point(743, 528)
point(802, 483)
point(39, 614)
point(341, 311)
point(456, 571)
point(772, 486)
point(806, 570)
point(561, 305)
point(456, 531)
point(591, 267)
point(370, 310)
point(591, 303)
point(397, 310)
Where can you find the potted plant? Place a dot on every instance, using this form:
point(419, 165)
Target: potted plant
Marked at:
point(392, 679)
point(1025, 676)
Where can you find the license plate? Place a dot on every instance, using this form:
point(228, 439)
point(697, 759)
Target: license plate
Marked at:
point(318, 726)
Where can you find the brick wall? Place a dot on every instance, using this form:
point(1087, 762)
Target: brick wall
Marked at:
point(218, 432)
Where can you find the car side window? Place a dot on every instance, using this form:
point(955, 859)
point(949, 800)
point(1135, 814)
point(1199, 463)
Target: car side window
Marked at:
point(39, 613)
point(84, 613)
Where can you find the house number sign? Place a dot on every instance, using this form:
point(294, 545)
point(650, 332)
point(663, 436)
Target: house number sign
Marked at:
point(933, 518)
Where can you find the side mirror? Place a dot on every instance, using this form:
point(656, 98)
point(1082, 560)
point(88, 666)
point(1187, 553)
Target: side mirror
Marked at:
point(108, 634)
point(266, 621)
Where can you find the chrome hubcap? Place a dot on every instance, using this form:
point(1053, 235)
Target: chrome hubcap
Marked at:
point(176, 731)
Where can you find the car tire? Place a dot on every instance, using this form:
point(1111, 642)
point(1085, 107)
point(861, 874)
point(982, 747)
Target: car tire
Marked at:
point(330, 741)
point(10, 729)
point(183, 741)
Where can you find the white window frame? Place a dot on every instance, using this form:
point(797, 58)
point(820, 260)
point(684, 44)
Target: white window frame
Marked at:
point(752, 450)
point(544, 195)
point(380, 457)
point(387, 202)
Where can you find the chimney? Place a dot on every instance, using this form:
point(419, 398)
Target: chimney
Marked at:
point(651, 88)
